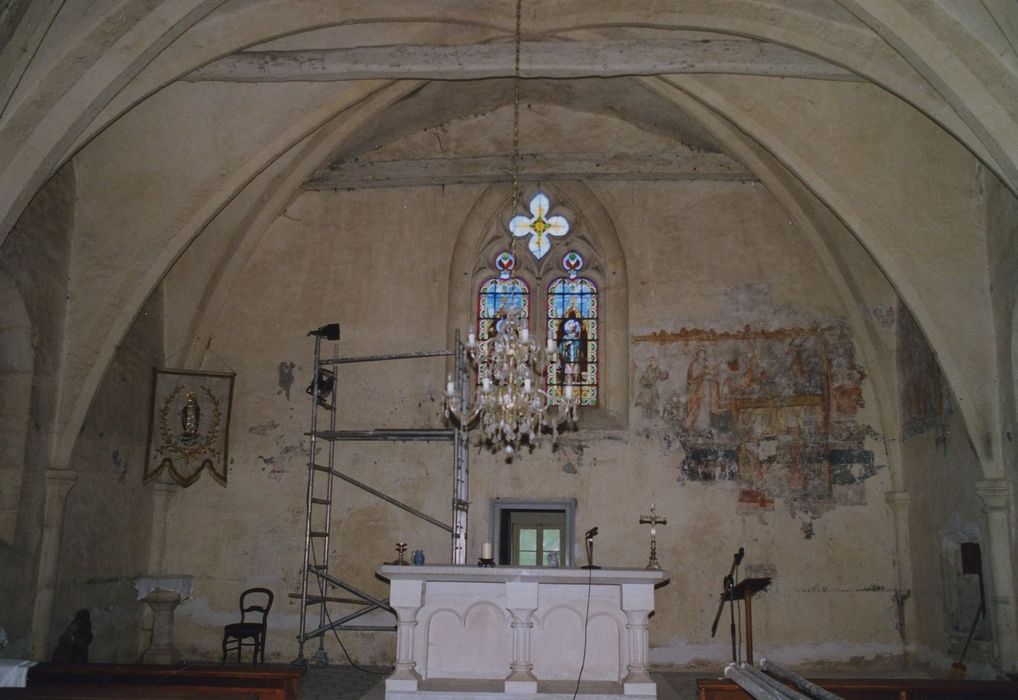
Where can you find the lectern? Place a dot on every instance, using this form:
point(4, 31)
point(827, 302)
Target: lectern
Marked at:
point(744, 590)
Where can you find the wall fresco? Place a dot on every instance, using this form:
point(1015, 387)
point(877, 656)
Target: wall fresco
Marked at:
point(922, 393)
point(772, 410)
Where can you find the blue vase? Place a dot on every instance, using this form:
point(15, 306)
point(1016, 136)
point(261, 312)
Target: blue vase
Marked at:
point(417, 557)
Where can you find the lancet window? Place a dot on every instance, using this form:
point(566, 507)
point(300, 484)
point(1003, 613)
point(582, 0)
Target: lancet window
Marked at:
point(498, 294)
point(572, 324)
point(567, 307)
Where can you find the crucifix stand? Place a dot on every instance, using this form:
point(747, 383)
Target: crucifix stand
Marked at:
point(653, 520)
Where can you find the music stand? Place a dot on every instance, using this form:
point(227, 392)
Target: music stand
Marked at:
point(744, 590)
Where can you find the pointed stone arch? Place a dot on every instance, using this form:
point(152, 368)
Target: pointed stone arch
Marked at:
point(471, 254)
point(16, 370)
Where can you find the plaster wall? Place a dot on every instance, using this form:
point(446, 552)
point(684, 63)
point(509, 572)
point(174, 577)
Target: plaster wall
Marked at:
point(151, 183)
point(699, 255)
point(906, 189)
point(941, 468)
point(35, 257)
point(108, 517)
point(1001, 212)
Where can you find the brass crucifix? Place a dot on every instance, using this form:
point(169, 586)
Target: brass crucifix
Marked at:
point(653, 520)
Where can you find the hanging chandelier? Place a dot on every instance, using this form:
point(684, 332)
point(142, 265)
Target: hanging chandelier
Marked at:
point(509, 369)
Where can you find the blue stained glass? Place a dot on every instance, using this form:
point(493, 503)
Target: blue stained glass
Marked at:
point(572, 324)
point(496, 296)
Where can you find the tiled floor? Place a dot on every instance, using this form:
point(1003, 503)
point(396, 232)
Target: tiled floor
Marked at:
point(348, 683)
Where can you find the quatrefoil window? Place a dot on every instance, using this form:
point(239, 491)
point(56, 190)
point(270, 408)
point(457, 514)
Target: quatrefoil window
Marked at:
point(539, 226)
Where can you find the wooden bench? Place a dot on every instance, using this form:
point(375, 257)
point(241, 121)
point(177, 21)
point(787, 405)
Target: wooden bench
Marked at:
point(62, 691)
point(206, 682)
point(878, 689)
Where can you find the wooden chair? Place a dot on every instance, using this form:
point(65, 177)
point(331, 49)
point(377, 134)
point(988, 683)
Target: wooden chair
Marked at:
point(255, 603)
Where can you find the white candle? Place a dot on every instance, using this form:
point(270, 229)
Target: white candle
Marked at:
point(525, 334)
point(526, 385)
point(486, 384)
point(450, 388)
point(551, 345)
point(471, 339)
point(486, 550)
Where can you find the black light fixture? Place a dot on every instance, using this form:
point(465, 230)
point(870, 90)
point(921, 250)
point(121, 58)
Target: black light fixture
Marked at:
point(329, 331)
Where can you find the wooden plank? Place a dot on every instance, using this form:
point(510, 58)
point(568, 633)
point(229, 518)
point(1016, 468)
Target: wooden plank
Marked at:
point(878, 689)
point(123, 692)
point(538, 59)
point(677, 165)
point(264, 681)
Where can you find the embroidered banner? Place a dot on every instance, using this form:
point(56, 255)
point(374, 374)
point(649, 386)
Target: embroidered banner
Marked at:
point(189, 427)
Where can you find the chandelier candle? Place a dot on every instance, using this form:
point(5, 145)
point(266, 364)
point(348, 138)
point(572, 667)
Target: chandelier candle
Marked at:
point(509, 370)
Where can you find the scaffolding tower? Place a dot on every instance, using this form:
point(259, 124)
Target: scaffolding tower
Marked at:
point(315, 619)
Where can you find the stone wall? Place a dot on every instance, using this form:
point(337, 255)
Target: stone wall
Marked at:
point(711, 266)
point(35, 260)
point(108, 519)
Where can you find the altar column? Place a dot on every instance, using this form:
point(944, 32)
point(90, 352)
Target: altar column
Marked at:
point(406, 597)
point(521, 602)
point(638, 604)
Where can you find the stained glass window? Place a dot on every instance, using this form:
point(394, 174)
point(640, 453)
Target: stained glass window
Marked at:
point(572, 323)
point(539, 226)
point(498, 294)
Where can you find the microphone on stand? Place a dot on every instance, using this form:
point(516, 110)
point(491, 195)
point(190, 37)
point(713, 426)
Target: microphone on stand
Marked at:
point(728, 582)
point(589, 537)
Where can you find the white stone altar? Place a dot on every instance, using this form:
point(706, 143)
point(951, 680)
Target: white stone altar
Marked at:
point(467, 631)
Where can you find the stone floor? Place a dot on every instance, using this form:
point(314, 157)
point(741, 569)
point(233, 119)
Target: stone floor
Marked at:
point(349, 683)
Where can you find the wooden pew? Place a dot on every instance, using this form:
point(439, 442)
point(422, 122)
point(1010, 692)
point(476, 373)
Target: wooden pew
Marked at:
point(879, 689)
point(66, 691)
point(202, 681)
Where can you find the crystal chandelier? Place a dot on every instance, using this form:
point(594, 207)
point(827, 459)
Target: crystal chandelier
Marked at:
point(509, 369)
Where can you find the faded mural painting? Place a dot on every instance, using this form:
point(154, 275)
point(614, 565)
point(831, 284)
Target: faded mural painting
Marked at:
point(773, 410)
point(922, 393)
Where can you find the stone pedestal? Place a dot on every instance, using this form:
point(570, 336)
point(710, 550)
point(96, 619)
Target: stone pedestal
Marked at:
point(162, 650)
point(163, 593)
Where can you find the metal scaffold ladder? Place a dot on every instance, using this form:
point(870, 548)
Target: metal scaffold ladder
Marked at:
point(318, 584)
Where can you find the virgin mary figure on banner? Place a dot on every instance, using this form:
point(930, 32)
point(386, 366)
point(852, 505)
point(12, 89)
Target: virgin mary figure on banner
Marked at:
point(189, 429)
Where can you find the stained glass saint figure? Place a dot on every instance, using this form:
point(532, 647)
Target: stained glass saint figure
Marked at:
point(496, 296)
point(572, 324)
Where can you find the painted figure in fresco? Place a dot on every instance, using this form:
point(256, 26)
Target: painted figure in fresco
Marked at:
point(285, 378)
point(190, 418)
point(572, 348)
point(701, 393)
point(647, 398)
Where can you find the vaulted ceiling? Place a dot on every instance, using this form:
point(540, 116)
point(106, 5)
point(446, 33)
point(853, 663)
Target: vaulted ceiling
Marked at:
point(255, 100)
